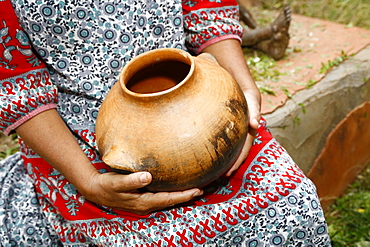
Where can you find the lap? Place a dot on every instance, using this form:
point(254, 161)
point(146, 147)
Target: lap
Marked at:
point(268, 202)
point(21, 220)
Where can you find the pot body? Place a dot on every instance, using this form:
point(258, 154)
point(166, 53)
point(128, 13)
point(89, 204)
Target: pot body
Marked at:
point(183, 119)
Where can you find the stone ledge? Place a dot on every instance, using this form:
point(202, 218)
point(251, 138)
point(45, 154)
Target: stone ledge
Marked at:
point(304, 122)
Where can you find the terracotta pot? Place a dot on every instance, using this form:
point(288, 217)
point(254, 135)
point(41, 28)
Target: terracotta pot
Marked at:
point(182, 118)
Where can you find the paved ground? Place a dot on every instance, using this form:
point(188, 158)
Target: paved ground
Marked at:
point(315, 42)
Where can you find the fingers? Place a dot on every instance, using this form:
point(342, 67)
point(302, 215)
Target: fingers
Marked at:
point(254, 114)
point(254, 118)
point(243, 154)
point(254, 109)
point(149, 202)
point(121, 192)
point(123, 183)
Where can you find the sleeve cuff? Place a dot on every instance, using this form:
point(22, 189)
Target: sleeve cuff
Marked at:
point(23, 119)
point(215, 40)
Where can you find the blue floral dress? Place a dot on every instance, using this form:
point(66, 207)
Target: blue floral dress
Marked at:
point(67, 55)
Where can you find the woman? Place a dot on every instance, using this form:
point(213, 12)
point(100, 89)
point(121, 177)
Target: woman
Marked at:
point(60, 58)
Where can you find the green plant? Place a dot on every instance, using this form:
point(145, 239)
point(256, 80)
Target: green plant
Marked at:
point(8, 145)
point(296, 121)
point(347, 12)
point(349, 217)
point(286, 92)
point(310, 83)
point(303, 108)
point(262, 67)
point(325, 67)
point(266, 89)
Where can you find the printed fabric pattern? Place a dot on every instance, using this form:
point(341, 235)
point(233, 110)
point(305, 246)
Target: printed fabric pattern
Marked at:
point(25, 85)
point(268, 202)
point(207, 22)
point(22, 221)
point(104, 36)
point(67, 55)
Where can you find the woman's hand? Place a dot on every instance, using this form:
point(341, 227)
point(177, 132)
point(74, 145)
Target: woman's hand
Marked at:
point(49, 137)
point(254, 116)
point(230, 56)
point(121, 192)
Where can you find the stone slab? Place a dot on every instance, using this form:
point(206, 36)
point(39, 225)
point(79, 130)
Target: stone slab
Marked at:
point(345, 155)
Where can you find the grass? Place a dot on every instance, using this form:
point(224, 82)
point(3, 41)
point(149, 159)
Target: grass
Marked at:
point(347, 12)
point(8, 145)
point(349, 217)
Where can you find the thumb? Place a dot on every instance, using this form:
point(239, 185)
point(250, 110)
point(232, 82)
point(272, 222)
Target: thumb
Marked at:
point(131, 181)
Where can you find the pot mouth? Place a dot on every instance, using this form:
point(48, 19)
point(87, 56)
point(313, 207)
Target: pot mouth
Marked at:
point(156, 72)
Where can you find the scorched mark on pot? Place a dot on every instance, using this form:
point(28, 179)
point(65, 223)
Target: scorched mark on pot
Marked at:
point(236, 107)
point(222, 143)
point(199, 162)
point(149, 163)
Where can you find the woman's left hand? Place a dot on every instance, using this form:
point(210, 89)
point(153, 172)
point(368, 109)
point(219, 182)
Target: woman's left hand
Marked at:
point(254, 117)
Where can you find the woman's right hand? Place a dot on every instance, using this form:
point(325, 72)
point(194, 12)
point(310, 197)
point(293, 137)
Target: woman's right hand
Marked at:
point(121, 192)
point(48, 136)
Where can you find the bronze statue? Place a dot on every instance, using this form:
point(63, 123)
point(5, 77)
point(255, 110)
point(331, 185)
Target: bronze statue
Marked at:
point(272, 39)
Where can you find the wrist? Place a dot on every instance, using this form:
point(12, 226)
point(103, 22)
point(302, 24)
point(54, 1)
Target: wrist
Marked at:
point(83, 177)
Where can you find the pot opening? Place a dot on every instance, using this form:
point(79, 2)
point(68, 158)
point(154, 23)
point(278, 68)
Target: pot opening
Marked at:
point(158, 77)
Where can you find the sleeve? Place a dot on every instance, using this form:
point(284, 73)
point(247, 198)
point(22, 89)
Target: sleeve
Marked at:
point(209, 21)
point(25, 86)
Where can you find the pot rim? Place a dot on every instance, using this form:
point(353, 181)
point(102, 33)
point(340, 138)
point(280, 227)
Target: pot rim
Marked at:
point(148, 57)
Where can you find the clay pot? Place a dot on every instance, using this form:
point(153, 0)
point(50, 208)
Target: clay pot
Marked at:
point(182, 118)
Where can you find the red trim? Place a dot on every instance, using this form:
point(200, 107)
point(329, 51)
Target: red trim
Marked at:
point(217, 39)
point(206, 4)
point(23, 119)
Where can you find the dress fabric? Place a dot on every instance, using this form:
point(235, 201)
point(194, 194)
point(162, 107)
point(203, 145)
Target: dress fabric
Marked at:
point(268, 202)
point(67, 55)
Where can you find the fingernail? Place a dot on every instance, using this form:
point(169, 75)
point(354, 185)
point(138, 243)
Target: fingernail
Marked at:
point(198, 193)
point(144, 177)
